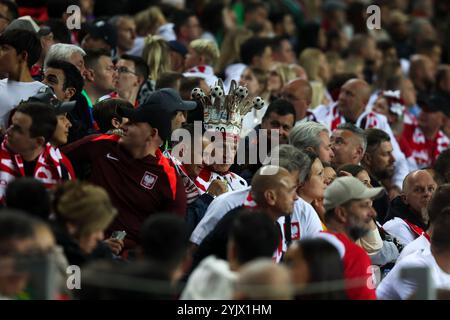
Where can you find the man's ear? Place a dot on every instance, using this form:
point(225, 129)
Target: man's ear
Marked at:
point(340, 214)
point(69, 93)
point(404, 198)
point(311, 149)
point(360, 152)
point(40, 141)
point(367, 159)
point(270, 197)
point(23, 57)
point(115, 122)
point(140, 80)
point(89, 74)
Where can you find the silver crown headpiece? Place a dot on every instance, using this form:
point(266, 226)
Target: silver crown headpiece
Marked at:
point(223, 112)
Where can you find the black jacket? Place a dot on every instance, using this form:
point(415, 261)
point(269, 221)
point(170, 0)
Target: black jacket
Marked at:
point(73, 252)
point(401, 210)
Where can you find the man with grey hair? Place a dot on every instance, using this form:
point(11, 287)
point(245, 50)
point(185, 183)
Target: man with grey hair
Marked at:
point(304, 219)
point(67, 52)
point(126, 33)
point(312, 136)
point(348, 143)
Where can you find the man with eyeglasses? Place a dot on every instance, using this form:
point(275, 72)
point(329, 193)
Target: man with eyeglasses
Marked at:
point(132, 71)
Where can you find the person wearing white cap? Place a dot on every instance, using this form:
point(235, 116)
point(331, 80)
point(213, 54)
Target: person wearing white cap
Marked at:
point(348, 204)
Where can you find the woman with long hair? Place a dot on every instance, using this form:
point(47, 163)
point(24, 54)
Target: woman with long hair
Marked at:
point(316, 270)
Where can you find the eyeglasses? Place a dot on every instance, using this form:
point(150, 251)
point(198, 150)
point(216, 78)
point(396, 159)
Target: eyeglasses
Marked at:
point(125, 70)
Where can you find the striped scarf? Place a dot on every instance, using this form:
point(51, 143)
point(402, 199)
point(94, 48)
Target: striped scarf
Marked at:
point(192, 192)
point(48, 168)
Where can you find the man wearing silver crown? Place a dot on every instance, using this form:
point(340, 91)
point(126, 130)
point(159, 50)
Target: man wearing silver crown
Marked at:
point(222, 121)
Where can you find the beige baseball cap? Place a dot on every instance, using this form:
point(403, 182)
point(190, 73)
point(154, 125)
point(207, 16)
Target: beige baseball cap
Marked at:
point(344, 189)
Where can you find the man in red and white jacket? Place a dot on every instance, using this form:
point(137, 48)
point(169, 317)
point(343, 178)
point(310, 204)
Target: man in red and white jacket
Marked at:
point(349, 211)
point(352, 107)
point(26, 151)
point(425, 138)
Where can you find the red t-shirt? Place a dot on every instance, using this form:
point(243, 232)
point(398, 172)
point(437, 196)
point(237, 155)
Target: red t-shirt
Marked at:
point(137, 187)
point(357, 267)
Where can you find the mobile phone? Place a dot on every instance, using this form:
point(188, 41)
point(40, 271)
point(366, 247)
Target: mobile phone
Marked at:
point(119, 235)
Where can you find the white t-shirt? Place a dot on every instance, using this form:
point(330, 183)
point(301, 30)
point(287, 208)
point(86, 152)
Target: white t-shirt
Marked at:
point(400, 230)
point(211, 280)
point(12, 93)
point(420, 244)
point(305, 221)
point(393, 287)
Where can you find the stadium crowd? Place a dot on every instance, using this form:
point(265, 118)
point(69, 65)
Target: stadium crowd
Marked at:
point(278, 149)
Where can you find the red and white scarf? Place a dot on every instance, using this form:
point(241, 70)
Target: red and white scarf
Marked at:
point(192, 192)
point(421, 147)
point(417, 230)
point(48, 168)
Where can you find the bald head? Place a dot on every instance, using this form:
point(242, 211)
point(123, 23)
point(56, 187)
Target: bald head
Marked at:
point(353, 98)
point(263, 279)
point(418, 188)
point(274, 190)
point(299, 93)
point(421, 70)
point(268, 178)
point(412, 178)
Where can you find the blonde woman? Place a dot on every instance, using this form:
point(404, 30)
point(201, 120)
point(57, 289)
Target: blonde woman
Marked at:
point(255, 80)
point(151, 21)
point(278, 77)
point(316, 66)
point(202, 56)
point(156, 54)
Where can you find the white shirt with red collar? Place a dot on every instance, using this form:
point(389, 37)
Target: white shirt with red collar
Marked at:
point(332, 118)
point(206, 176)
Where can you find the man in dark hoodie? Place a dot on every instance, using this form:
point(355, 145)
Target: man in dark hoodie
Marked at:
point(407, 217)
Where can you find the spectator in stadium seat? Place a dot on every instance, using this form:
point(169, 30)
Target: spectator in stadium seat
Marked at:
point(315, 262)
point(348, 144)
point(349, 211)
point(262, 279)
point(407, 217)
point(16, 240)
point(252, 236)
point(312, 136)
